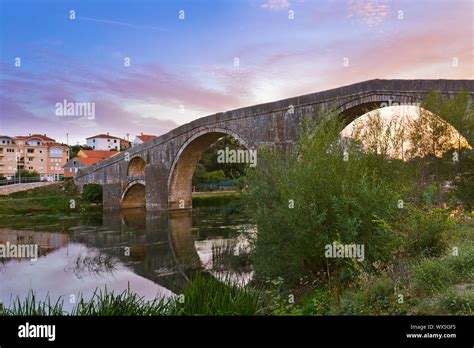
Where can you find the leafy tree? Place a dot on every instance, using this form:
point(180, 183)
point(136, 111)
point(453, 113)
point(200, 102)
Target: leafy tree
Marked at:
point(210, 170)
point(26, 173)
point(92, 193)
point(76, 148)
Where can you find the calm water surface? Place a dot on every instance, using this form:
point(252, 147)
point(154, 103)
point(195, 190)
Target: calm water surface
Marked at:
point(151, 253)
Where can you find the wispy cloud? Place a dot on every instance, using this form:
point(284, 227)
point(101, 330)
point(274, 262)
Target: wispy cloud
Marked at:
point(123, 24)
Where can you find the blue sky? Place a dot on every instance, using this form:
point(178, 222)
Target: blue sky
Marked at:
point(184, 69)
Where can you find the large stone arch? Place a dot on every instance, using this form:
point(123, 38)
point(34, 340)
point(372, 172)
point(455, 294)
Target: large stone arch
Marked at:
point(133, 195)
point(185, 162)
point(354, 108)
point(136, 166)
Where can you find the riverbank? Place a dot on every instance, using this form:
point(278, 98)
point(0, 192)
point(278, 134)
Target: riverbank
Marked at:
point(216, 198)
point(44, 203)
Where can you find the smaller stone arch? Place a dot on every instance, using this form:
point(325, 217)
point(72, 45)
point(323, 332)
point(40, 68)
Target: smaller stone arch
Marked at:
point(136, 166)
point(133, 195)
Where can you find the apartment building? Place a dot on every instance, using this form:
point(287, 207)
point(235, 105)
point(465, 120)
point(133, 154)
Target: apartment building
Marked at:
point(35, 152)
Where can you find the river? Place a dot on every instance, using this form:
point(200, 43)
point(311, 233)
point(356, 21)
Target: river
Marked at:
point(151, 253)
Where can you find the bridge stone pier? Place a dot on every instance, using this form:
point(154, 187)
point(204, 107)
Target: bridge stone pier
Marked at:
point(158, 174)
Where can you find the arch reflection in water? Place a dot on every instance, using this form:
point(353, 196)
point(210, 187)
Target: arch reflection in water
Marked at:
point(156, 245)
point(152, 253)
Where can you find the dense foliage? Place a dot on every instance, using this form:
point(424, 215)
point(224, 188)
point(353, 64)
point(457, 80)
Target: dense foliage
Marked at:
point(92, 193)
point(327, 190)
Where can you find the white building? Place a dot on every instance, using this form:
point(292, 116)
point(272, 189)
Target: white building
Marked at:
point(104, 142)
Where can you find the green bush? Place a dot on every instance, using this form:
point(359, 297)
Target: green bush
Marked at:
point(458, 301)
point(431, 275)
point(455, 300)
point(312, 197)
point(465, 190)
point(317, 303)
point(26, 173)
point(92, 193)
point(425, 231)
point(376, 297)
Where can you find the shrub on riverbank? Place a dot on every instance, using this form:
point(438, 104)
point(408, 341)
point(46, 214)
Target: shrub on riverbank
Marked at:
point(306, 200)
point(92, 193)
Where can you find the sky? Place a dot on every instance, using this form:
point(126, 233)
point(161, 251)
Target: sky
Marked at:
point(150, 66)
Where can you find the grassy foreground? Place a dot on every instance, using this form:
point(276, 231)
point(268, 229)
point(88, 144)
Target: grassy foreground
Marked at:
point(204, 295)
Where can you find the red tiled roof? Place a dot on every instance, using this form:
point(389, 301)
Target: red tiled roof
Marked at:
point(145, 137)
point(57, 145)
point(88, 161)
point(39, 136)
point(107, 136)
point(101, 154)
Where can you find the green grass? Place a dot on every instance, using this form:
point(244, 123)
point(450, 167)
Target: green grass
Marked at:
point(207, 296)
point(42, 206)
point(204, 295)
point(434, 275)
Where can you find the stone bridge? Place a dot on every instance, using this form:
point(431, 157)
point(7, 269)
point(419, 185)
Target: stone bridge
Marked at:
point(158, 174)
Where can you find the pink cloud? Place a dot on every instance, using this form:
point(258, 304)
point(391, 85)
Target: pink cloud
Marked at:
point(371, 12)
